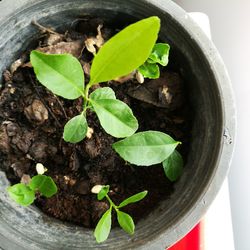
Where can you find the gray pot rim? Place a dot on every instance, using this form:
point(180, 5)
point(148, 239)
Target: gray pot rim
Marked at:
point(192, 216)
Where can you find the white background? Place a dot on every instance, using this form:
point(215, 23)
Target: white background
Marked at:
point(230, 27)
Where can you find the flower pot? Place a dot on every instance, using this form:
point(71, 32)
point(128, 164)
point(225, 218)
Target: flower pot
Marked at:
point(212, 134)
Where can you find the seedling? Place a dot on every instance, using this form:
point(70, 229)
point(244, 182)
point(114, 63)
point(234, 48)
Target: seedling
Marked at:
point(159, 55)
point(126, 222)
point(132, 48)
point(25, 194)
point(123, 53)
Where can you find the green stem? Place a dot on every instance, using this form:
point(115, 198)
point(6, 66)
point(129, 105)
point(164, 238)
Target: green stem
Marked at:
point(86, 99)
point(111, 203)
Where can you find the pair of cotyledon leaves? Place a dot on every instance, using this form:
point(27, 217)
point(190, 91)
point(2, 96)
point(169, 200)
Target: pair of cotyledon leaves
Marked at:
point(119, 56)
point(126, 222)
point(25, 194)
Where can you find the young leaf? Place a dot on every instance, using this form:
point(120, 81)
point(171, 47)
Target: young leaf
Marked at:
point(103, 192)
point(102, 93)
point(115, 117)
point(146, 148)
point(126, 222)
point(62, 74)
point(173, 166)
point(125, 51)
point(44, 184)
point(160, 54)
point(21, 194)
point(150, 70)
point(133, 199)
point(75, 129)
point(103, 227)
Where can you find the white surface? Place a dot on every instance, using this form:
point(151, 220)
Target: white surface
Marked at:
point(230, 26)
point(218, 233)
point(203, 20)
point(218, 216)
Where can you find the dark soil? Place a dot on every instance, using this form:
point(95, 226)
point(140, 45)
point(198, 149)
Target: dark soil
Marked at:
point(31, 129)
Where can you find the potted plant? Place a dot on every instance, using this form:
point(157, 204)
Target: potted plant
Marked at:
point(185, 201)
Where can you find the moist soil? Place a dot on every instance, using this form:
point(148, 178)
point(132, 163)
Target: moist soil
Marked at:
point(32, 121)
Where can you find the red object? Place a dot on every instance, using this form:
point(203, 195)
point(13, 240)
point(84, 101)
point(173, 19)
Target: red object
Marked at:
point(192, 241)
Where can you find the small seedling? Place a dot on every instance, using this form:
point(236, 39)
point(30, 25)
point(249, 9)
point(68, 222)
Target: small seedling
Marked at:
point(132, 48)
point(126, 222)
point(25, 194)
point(159, 55)
point(123, 53)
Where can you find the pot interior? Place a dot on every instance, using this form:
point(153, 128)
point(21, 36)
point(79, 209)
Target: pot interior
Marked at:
point(28, 228)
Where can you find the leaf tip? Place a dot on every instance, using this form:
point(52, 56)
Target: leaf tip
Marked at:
point(156, 20)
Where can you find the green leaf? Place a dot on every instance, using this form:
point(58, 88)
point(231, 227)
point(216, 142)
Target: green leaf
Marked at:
point(133, 199)
point(62, 74)
point(21, 194)
point(126, 222)
point(146, 148)
point(75, 129)
point(160, 54)
point(44, 184)
point(102, 93)
point(103, 227)
point(149, 70)
point(116, 117)
point(173, 166)
point(103, 192)
point(125, 51)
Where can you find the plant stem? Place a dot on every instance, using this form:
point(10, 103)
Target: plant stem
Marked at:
point(111, 203)
point(86, 98)
point(82, 114)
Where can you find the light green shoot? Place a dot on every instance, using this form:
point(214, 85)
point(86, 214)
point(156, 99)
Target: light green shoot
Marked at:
point(125, 221)
point(26, 194)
